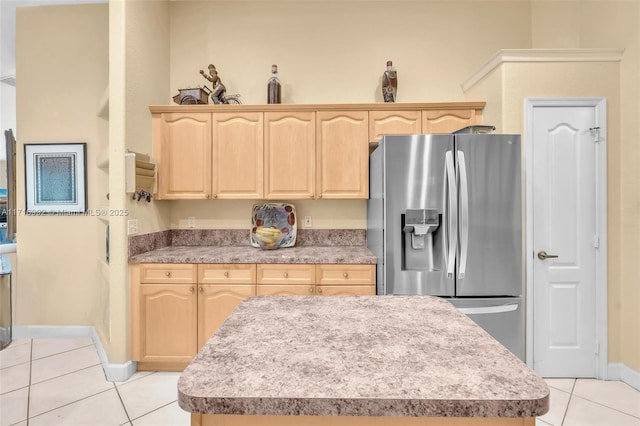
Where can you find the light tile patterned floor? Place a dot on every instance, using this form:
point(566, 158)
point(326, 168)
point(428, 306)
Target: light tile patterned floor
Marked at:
point(46, 382)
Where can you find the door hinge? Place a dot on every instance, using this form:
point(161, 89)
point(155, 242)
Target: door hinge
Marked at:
point(595, 133)
point(596, 241)
point(597, 348)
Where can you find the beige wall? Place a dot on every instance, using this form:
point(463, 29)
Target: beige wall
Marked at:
point(612, 24)
point(64, 73)
point(332, 52)
point(139, 34)
point(620, 83)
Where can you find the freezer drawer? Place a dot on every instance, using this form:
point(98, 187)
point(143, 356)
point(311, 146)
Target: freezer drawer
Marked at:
point(502, 318)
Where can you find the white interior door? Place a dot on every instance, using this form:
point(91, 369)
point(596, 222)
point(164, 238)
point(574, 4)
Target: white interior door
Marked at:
point(565, 241)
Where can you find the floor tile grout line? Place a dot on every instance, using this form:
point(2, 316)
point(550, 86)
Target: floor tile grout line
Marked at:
point(124, 407)
point(131, 381)
point(575, 382)
point(66, 405)
point(29, 390)
point(566, 409)
point(154, 410)
point(607, 406)
point(65, 352)
point(70, 372)
point(14, 365)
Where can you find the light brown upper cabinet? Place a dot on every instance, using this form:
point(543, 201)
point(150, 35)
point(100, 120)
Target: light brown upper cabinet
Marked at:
point(342, 154)
point(447, 121)
point(237, 158)
point(394, 123)
point(184, 143)
point(289, 161)
point(284, 151)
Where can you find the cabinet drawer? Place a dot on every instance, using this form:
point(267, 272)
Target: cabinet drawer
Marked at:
point(346, 274)
point(176, 273)
point(285, 290)
point(285, 274)
point(238, 273)
point(346, 290)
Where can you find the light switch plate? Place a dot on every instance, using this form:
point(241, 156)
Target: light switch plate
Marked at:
point(191, 222)
point(132, 226)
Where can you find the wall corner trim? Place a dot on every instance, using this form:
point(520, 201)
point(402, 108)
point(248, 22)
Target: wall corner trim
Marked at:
point(624, 373)
point(113, 372)
point(542, 55)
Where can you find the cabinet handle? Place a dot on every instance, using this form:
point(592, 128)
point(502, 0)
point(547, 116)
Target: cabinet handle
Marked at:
point(168, 274)
point(286, 275)
point(311, 289)
point(191, 290)
point(226, 274)
point(208, 196)
point(201, 289)
point(312, 195)
point(319, 290)
point(215, 195)
point(345, 274)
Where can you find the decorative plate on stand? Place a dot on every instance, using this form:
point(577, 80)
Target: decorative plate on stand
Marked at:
point(275, 215)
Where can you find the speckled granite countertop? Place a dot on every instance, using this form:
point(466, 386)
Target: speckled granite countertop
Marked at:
point(248, 254)
point(367, 356)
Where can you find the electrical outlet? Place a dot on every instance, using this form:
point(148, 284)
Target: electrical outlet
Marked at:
point(307, 222)
point(191, 222)
point(132, 226)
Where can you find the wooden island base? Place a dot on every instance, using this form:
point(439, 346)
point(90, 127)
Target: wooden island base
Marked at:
point(230, 420)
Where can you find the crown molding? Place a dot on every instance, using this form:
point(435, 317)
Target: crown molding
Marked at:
point(542, 55)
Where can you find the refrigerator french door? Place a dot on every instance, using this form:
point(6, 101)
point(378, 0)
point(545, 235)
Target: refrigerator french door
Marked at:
point(444, 219)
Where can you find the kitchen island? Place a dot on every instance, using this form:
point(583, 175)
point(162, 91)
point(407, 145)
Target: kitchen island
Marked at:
point(358, 360)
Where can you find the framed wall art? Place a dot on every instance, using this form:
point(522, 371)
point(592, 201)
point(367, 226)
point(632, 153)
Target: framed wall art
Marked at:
point(56, 177)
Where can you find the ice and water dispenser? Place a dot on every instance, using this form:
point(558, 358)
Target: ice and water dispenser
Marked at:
point(419, 226)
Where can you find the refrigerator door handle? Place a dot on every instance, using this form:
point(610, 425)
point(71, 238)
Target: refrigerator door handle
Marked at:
point(464, 214)
point(489, 309)
point(451, 204)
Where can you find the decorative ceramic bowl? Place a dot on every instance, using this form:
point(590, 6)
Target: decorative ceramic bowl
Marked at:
point(268, 238)
point(278, 216)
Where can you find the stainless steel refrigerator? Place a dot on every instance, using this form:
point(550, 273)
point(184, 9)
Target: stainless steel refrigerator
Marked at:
point(444, 218)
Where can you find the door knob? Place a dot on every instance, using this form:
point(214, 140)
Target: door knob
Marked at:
point(542, 255)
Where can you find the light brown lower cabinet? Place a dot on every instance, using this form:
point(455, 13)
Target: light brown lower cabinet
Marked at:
point(215, 304)
point(176, 308)
point(172, 320)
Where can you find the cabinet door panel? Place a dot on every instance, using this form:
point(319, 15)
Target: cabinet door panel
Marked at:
point(342, 154)
point(447, 121)
point(168, 323)
point(237, 155)
point(215, 304)
point(393, 123)
point(346, 290)
point(290, 155)
point(184, 170)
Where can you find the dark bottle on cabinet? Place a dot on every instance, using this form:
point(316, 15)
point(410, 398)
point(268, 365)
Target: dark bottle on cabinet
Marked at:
point(389, 83)
point(274, 87)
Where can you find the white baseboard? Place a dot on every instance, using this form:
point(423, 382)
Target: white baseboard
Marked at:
point(620, 371)
point(113, 372)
